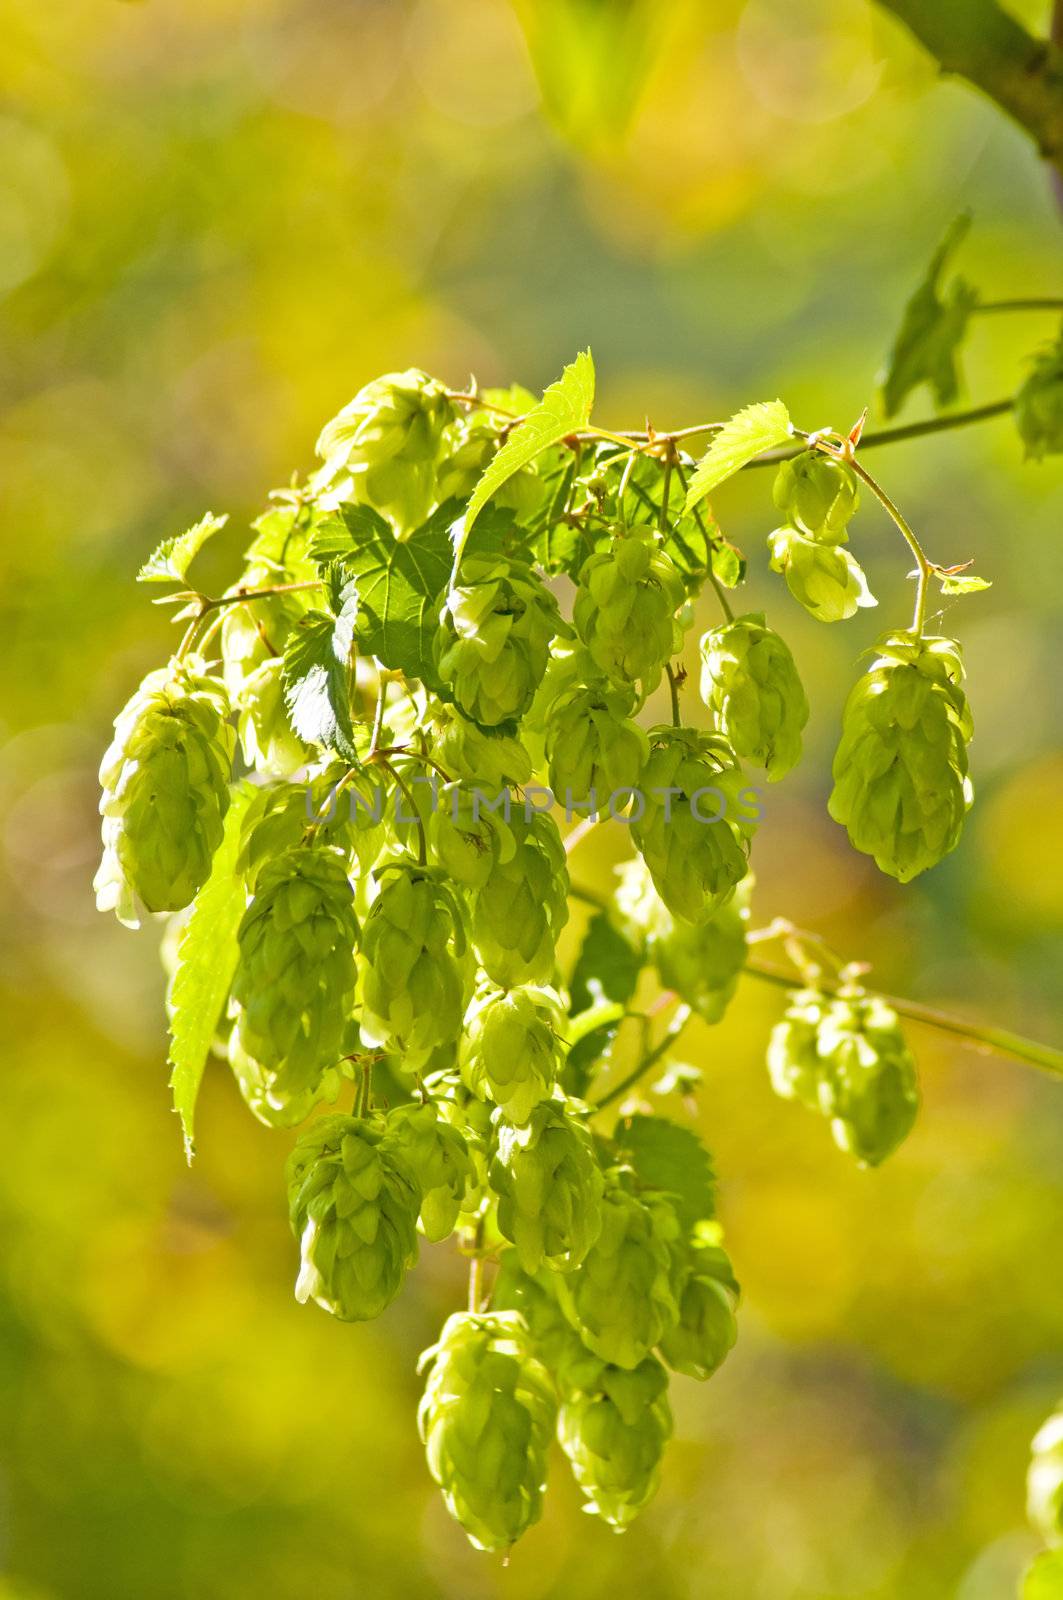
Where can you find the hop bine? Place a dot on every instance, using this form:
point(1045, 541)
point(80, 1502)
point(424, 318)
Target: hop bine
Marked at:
point(549, 1187)
point(613, 1425)
point(487, 1418)
point(750, 684)
point(165, 793)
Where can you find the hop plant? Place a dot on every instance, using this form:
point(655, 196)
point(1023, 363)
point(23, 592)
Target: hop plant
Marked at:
point(846, 1058)
point(467, 838)
point(1039, 404)
point(613, 1425)
point(511, 1048)
point(519, 912)
point(823, 577)
point(487, 1417)
point(252, 645)
point(817, 494)
point(468, 447)
point(623, 1301)
point(549, 1187)
point(534, 1296)
point(706, 1330)
point(414, 982)
point(696, 823)
point(702, 962)
point(270, 1096)
point(436, 1153)
point(494, 640)
point(625, 609)
point(750, 684)
point(353, 1207)
point(472, 755)
point(593, 748)
point(165, 793)
point(1044, 1481)
point(382, 448)
point(295, 977)
point(901, 785)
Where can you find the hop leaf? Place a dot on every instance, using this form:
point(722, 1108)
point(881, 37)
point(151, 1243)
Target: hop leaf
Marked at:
point(169, 562)
point(1039, 404)
point(932, 329)
point(613, 1426)
point(748, 433)
point(750, 684)
point(549, 1187)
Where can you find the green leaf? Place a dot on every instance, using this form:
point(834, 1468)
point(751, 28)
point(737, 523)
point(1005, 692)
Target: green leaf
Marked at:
point(593, 62)
point(667, 1156)
point(932, 329)
point(728, 564)
point(607, 967)
point(1044, 1580)
point(962, 583)
point(747, 434)
point(564, 408)
point(169, 562)
point(591, 1036)
point(206, 961)
point(318, 666)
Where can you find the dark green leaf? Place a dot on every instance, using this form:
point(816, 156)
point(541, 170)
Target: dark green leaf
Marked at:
point(607, 967)
point(668, 1156)
point(169, 562)
point(931, 332)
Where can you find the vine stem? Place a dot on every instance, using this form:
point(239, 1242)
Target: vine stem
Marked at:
point(673, 689)
point(649, 1059)
point(725, 605)
point(1040, 303)
point(923, 563)
point(415, 815)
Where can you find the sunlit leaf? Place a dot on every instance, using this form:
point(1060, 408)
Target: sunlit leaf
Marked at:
point(747, 434)
point(169, 562)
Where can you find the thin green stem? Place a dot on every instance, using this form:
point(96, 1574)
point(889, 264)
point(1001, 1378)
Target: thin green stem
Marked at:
point(725, 604)
point(922, 561)
point(378, 717)
point(905, 430)
point(1040, 303)
point(648, 1060)
point(415, 815)
point(673, 689)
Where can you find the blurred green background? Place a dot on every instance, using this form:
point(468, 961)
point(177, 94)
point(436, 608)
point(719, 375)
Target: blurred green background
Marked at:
point(218, 218)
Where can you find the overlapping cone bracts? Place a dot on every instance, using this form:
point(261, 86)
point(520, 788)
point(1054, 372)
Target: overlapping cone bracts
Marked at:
point(472, 755)
point(623, 1300)
point(695, 862)
point(519, 913)
point(534, 1295)
point(613, 1425)
point(415, 970)
point(511, 1048)
point(382, 448)
point(592, 745)
point(252, 650)
point(487, 1417)
point(701, 962)
point(165, 780)
point(437, 1155)
point(625, 609)
point(1039, 405)
point(494, 639)
point(1044, 1480)
point(353, 1206)
point(270, 1096)
point(750, 684)
point(471, 441)
point(821, 576)
point(705, 1333)
point(845, 1057)
point(549, 1187)
point(295, 977)
point(466, 838)
point(817, 494)
point(901, 784)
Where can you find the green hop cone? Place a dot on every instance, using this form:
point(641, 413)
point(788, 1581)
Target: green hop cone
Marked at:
point(534, 1295)
point(295, 977)
point(817, 494)
point(494, 638)
point(824, 578)
point(1044, 1481)
point(437, 1155)
point(493, 761)
point(414, 985)
point(593, 748)
point(270, 1097)
point(382, 448)
point(461, 1109)
point(165, 789)
point(706, 1330)
point(353, 1207)
point(252, 648)
point(613, 1425)
point(487, 1417)
point(702, 962)
point(623, 1299)
point(846, 1058)
point(469, 444)
point(696, 823)
point(901, 785)
point(1039, 405)
point(750, 684)
point(467, 838)
point(520, 911)
point(625, 609)
point(511, 1048)
point(549, 1187)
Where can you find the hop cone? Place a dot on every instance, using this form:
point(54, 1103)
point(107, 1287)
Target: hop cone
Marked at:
point(270, 1096)
point(750, 684)
point(460, 1109)
point(823, 577)
point(817, 495)
point(487, 1417)
point(613, 1425)
point(414, 983)
point(1044, 1481)
point(295, 976)
point(519, 912)
point(353, 1207)
point(702, 961)
point(549, 1187)
point(382, 448)
point(511, 1048)
point(623, 1301)
point(901, 787)
point(1039, 405)
point(625, 610)
point(494, 638)
point(534, 1295)
point(469, 445)
point(436, 1154)
point(493, 761)
point(695, 828)
point(165, 794)
point(706, 1330)
point(592, 745)
point(846, 1058)
point(467, 838)
point(252, 646)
